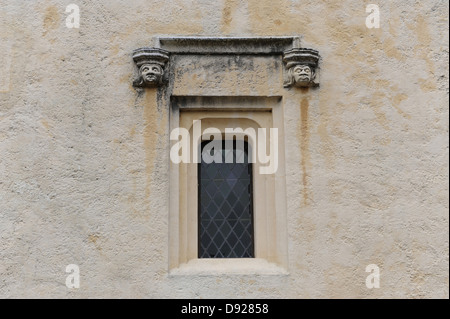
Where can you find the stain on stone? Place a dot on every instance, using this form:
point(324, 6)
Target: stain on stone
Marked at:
point(304, 136)
point(125, 79)
point(428, 85)
point(422, 49)
point(133, 131)
point(391, 50)
point(420, 27)
point(51, 19)
point(226, 16)
point(235, 17)
point(139, 95)
point(93, 239)
point(264, 18)
point(377, 101)
point(45, 124)
point(396, 103)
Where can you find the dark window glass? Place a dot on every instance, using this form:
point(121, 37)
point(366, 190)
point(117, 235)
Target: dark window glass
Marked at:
point(225, 201)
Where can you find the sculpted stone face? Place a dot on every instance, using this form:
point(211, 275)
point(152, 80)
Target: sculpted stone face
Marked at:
point(151, 74)
point(302, 74)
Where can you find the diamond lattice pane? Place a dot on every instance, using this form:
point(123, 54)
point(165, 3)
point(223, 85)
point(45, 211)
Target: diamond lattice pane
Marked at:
point(225, 202)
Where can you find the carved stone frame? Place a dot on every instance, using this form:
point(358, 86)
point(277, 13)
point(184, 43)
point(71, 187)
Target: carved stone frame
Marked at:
point(272, 248)
point(289, 47)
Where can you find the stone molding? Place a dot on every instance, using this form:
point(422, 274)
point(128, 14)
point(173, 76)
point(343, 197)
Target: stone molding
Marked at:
point(301, 63)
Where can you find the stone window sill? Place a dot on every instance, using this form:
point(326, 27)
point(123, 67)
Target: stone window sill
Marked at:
point(232, 266)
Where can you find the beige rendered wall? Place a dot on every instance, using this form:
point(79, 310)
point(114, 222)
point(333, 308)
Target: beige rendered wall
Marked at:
point(84, 164)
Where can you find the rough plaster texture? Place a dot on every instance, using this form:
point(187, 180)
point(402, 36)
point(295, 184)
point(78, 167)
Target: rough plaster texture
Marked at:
point(84, 156)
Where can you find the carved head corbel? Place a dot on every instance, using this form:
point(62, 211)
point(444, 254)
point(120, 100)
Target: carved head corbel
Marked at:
point(152, 63)
point(301, 65)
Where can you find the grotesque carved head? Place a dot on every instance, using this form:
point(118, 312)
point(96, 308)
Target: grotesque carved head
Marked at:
point(301, 65)
point(151, 74)
point(301, 75)
point(152, 63)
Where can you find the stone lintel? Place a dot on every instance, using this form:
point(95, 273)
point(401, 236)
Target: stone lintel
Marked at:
point(229, 45)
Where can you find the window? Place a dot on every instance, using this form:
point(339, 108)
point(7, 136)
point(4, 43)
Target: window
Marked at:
point(225, 202)
point(252, 238)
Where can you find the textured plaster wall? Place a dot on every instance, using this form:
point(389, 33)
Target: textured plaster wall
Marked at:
point(84, 156)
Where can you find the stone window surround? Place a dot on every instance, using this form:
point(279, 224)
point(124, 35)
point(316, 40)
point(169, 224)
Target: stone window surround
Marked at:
point(269, 194)
point(271, 239)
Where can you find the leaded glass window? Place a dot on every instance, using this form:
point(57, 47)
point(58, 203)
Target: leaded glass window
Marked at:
point(225, 200)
